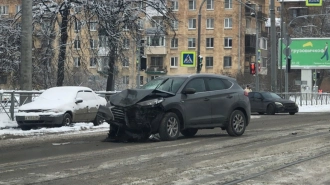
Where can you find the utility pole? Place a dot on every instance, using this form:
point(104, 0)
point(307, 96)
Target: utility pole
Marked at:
point(138, 55)
point(26, 46)
point(273, 47)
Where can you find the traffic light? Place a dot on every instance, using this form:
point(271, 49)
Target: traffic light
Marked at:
point(252, 68)
point(318, 75)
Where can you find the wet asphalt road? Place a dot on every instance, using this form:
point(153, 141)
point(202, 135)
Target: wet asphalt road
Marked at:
point(268, 146)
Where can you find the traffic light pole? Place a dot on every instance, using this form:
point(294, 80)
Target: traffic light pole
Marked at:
point(287, 66)
point(257, 51)
point(199, 61)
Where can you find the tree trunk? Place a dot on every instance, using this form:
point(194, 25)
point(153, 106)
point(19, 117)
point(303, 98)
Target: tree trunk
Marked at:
point(111, 71)
point(62, 54)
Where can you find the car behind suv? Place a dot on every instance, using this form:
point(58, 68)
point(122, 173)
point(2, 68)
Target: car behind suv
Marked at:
point(169, 105)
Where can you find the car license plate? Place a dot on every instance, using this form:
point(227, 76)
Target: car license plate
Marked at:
point(32, 117)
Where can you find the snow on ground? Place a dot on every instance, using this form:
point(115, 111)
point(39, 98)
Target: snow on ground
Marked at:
point(8, 127)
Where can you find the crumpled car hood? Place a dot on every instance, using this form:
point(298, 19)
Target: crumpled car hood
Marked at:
point(130, 97)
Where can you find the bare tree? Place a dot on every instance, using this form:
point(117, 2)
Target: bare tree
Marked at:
point(122, 20)
point(10, 46)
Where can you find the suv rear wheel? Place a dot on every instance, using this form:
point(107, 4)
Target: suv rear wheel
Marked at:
point(237, 123)
point(169, 127)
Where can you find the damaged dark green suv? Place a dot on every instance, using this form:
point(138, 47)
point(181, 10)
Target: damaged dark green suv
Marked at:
point(171, 105)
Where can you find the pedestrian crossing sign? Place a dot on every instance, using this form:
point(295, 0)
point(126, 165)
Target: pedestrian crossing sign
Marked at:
point(313, 2)
point(188, 58)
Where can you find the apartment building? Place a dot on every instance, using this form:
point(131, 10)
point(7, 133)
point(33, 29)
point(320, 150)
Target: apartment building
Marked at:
point(228, 43)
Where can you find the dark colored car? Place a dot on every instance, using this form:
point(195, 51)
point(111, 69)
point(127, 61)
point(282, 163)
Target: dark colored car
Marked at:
point(271, 103)
point(172, 104)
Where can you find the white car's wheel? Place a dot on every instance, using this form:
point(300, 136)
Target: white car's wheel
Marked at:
point(67, 120)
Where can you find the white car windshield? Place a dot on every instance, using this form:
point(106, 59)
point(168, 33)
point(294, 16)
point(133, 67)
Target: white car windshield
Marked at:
point(58, 94)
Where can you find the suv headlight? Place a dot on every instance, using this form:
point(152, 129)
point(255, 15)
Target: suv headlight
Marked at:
point(151, 102)
point(278, 104)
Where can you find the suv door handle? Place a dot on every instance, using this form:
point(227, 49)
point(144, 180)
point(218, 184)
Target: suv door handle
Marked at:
point(206, 99)
point(229, 96)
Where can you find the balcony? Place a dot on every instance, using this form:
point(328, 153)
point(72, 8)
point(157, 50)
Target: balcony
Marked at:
point(155, 50)
point(156, 70)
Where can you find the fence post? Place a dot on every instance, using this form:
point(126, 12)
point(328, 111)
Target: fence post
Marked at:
point(12, 105)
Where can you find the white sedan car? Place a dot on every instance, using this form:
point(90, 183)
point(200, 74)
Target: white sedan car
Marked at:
point(61, 106)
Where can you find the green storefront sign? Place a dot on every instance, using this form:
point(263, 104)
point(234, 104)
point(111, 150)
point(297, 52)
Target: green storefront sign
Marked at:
point(307, 53)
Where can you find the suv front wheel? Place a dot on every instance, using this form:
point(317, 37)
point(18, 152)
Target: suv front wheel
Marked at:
point(169, 127)
point(237, 123)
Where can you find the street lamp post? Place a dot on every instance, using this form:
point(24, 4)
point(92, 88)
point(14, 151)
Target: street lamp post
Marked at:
point(199, 62)
point(257, 52)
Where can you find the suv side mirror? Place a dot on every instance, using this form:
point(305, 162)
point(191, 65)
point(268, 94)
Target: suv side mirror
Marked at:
point(189, 91)
point(79, 100)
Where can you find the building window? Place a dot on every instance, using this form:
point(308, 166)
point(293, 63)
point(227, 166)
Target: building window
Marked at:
point(76, 61)
point(126, 80)
point(18, 8)
point(228, 23)
point(156, 41)
point(77, 9)
point(126, 43)
point(141, 80)
point(154, 77)
point(175, 5)
point(174, 61)
point(92, 26)
point(141, 24)
point(227, 61)
point(209, 42)
point(93, 62)
point(174, 43)
point(77, 43)
point(191, 42)
point(156, 62)
point(228, 42)
point(175, 25)
point(263, 43)
point(93, 43)
point(125, 62)
point(3, 79)
point(264, 62)
point(210, 23)
point(210, 4)
point(192, 4)
point(248, 23)
point(156, 23)
point(192, 24)
point(4, 10)
point(278, 8)
point(228, 4)
point(209, 61)
point(103, 42)
point(77, 26)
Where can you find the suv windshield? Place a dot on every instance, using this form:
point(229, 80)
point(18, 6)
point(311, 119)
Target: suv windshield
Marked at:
point(271, 95)
point(171, 84)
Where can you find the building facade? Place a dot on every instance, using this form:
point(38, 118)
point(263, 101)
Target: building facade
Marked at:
point(227, 43)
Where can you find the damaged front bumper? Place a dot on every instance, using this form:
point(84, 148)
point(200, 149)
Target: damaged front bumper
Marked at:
point(137, 119)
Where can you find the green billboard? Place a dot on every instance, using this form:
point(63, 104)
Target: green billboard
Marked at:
point(306, 53)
